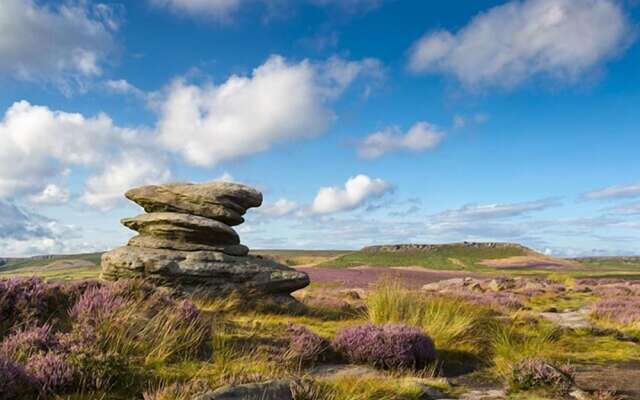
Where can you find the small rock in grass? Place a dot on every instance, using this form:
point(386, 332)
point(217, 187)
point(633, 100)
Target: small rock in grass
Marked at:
point(270, 390)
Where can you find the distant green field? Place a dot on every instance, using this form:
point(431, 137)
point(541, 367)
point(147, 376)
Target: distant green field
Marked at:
point(80, 266)
point(75, 266)
point(444, 257)
point(300, 257)
point(610, 262)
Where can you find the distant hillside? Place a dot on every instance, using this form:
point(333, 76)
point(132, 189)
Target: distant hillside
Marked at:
point(452, 256)
point(610, 262)
point(88, 265)
point(300, 257)
point(53, 266)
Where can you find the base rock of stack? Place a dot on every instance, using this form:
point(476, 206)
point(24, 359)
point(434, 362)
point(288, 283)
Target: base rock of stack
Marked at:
point(202, 270)
point(186, 242)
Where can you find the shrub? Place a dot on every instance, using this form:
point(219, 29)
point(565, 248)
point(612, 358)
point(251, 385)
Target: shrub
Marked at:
point(26, 342)
point(304, 346)
point(624, 311)
point(532, 373)
point(501, 301)
point(26, 302)
point(15, 383)
point(386, 346)
point(97, 304)
point(187, 311)
point(97, 370)
point(53, 372)
point(452, 323)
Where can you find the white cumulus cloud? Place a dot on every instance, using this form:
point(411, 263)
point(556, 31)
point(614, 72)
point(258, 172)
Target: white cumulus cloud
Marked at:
point(280, 208)
point(520, 39)
point(357, 191)
point(244, 115)
point(39, 143)
point(130, 169)
point(420, 137)
point(40, 146)
point(61, 44)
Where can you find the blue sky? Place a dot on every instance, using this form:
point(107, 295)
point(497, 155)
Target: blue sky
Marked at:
point(362, 121)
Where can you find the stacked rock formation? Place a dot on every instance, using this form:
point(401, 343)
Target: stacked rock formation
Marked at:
point(186, 242)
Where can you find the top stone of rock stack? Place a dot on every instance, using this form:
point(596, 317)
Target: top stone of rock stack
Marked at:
point(222, 201)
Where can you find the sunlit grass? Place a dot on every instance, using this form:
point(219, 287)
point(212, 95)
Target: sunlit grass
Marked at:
point(452, 323)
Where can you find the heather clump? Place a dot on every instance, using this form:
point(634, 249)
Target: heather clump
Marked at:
point(88, 335)
point(26, 301)
point(621, 311)
point(386, 346)
point(452, 323)
point(24, 343)
point(304, 346)
point(97, 304)
point(15, 382)
point(187, 311)
point(100, 370)
point(54, 373)
point(500, 301)
point(532, 373)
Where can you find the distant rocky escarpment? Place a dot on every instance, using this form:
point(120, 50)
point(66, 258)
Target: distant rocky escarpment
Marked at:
point(426, 248)
point(186, 241)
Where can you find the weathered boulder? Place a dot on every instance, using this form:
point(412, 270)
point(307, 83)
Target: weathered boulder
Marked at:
point(182, 228)
point(270, 390)
point(152, 242)
point(222, 201)
point(202, 270)
point(185, 243)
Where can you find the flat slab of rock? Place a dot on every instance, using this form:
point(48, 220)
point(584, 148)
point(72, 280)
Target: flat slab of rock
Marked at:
point(271, 390)
point(222, 201)
point(182, 228)
point(159, 243)
point(569, 319)
point(207, 270)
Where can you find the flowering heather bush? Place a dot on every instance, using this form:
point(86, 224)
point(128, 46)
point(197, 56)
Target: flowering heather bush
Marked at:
point(386, 346)
point(15, 383)
point(304, 346)
point(499, 300)
point(26, 342)
point(187, 311)
point(97, 304)
point(617, 290)
point(620, 310)
point(104, 371)
point(537, 373)
point(54, 373)
point(26, 301)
